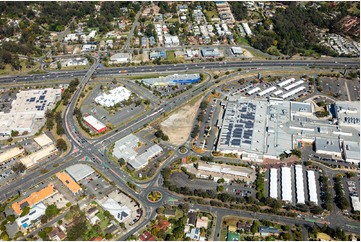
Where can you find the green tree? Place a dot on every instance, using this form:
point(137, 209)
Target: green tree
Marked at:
point(220, 188)
point(25, 211)
point(11, 218)
point(221, 180)
point(19, 167)
point(121, 162)
point(51, 211)
point(254, 227)
point(14, 133)
point(61, 144)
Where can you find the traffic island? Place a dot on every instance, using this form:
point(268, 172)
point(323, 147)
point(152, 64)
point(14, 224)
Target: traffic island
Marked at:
point(154, 196)
point(183, 150)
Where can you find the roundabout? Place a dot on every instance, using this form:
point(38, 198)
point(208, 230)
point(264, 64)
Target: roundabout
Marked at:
point(183, 150)
point(154, 196)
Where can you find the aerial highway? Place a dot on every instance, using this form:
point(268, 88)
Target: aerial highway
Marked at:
point(56, 75)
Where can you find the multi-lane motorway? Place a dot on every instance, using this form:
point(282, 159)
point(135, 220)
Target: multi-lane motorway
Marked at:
point(91, 148)
point(56, 75)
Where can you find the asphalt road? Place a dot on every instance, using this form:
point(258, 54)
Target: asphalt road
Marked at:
point(180, 67)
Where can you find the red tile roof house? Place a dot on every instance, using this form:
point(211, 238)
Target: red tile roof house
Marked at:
point(146, 236)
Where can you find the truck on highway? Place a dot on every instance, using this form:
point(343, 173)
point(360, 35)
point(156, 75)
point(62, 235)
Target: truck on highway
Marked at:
point(123, 71)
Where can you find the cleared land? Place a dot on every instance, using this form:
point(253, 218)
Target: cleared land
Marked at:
point(179, 125)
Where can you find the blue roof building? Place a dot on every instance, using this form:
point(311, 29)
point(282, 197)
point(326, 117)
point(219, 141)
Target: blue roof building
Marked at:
point(151, 40)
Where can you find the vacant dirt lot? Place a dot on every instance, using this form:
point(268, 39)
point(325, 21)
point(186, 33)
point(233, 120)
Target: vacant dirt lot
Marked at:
point(179, 125)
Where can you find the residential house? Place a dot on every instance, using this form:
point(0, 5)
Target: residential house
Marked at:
point(169, 212)
point(266, 231)
point(147, 236)
point(163, 225)
point(232, 228)
point(244, 226)
point(144, 41)
point(202, 222)
point(99, 238)
point(194, 234)
point(192, 219)
point(57, 234)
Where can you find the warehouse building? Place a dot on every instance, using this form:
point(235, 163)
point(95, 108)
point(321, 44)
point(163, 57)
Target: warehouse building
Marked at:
point(112, 97)
point(172, 80)
point(293, 85)
point(95, 124)
point(312, 190)
point(38, 156)
point(268, 90)
point(286, 185)
point(210, 52)
point(79, 171)
point(28, 110)
point(10, 153)
point(300, 190)
point(292, 92)
point(121, 58)
point(273, 187)
point(352, 151)
point(34, 198)
point(347, 113)
point(327, 147)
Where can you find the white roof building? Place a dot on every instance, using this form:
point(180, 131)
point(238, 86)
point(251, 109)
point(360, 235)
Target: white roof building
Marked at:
point(121, 58)
point(273, 187)
point(120, 213)
point(34, 214)
point(254, 90)
point(124, 148)
point(352, 151)
point(28, 107)
point(79, 171)
point(43, 140)
point(236, 50)
point(247, 29)
point(268, 90)
point(312, 190)
point(355, 203)
point(112, 97)
point(88, 47)
point(71, 37)
point(170, 40)
point(37, 156)
point(293, 92)
point(286, 185)
point(327, 146)
point(300, 190)
point(295, 84)
point(75, 62)
point(10, 153)
point(286, 82)
point(95, 123)
point(142, 160)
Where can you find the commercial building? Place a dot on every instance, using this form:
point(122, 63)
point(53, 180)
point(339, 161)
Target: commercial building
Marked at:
point(80, 61)
point(224, 169)
point(79, 171)
point(120, 213)
point(68, 182)
point(172, 80)
point(327, 147)
point(28, 109)
point(355, 201)
point(286, 185)
point(312, 190)
point(10, 153)
point(351, 151)
point(112, 97)
point(125, 148)
point(34, 198)
point(34, 215)
point(43, 140)
point(273, 187)
point(300, 190)
point(209, 52)
point(237, 50)
point(142, 160)
point(88, 47)
point(38, 156)
point(121, 58)
point(348, 113)
point(95, 124)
